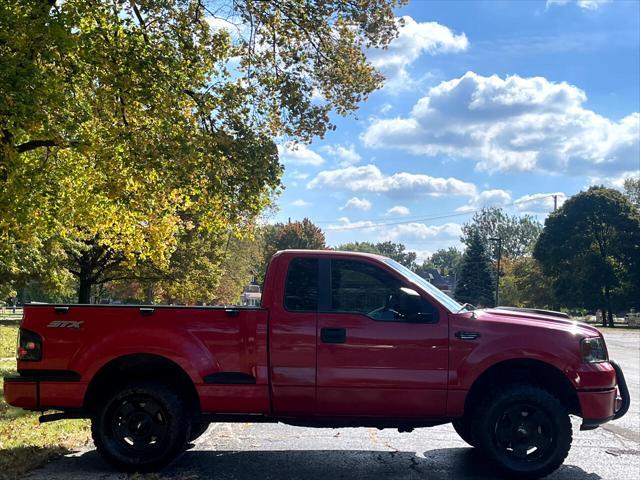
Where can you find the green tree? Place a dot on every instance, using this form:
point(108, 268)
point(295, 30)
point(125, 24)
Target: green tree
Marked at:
point(523, 284)
point(518, 233)
point(395, 251)
point(591, 249)
point(446, 261)
point(364, 247)
point(303, 235)
point(124, 125)
point(475, 284)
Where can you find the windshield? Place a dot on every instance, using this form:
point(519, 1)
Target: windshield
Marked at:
point(435, 292)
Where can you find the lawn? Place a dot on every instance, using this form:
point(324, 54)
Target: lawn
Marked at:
point(25, 444)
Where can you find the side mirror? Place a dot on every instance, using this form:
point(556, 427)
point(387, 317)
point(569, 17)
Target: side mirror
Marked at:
point(412, 305)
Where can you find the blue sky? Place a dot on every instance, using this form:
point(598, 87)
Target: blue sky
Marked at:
point(485, 103)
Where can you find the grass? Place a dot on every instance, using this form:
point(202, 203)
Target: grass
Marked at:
point(26, 444)
point(8, 340)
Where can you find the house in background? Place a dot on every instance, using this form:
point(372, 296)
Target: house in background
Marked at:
point(445, 283)
point(251, 295)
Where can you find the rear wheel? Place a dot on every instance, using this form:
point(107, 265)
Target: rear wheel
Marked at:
point(524, 429)
point(141, 427)
point(462, 426)
point(198, 427)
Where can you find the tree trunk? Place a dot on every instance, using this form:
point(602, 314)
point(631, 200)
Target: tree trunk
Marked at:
point(610, 317)
point(84, 290)
point(149, 293)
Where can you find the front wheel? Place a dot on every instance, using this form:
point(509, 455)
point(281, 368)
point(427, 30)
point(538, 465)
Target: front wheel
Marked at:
point(141, 427)
point(525, 430)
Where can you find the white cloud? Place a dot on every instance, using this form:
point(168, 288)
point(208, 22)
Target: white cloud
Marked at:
point(345, 224)
point(422, 255)
point(399, 210)
point(369, 178)
point(414, 39)
point(299, 154)
point(420, 231)
point(512, 124)
point(356, 203)
point(386, 108)
point(616, 181)
point(300, 203)
point(346, 154)
point(539, 202)
point(487, 198)
point(585, 4)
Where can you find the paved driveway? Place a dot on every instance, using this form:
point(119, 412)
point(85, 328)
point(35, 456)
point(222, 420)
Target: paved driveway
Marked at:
point(264, 451)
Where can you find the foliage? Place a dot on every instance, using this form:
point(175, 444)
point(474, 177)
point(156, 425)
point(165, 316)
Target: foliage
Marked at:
point(395, 251)
point(632, 190)
point(523, 284)
point(299, 235)
point(518, 233)
point(445, 261)
point(475, 283)
point(124, 125)
point(591, 249)
point(242, 264)
point(364, 247)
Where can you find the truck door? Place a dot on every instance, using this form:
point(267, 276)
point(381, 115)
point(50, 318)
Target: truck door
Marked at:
point(382, 349)
point(292, 336)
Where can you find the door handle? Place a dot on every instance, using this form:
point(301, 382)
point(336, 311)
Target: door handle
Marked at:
point(333, 335)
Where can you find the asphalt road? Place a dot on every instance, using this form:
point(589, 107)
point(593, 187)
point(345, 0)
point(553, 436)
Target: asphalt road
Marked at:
point(264, 451)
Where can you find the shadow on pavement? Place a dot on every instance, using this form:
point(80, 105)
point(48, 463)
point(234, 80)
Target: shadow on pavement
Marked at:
point(453, 463)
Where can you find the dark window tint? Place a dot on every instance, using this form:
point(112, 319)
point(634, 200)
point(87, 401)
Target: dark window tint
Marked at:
point(360, 287)
point(301, 288)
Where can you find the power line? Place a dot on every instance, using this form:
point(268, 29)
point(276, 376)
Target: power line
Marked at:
point(370, 223)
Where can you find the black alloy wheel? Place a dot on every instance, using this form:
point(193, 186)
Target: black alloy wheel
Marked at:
point(142, 427)
point(524, 433)
point(139, 423)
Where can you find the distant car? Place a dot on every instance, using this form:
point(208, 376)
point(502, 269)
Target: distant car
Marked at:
point(340, 340)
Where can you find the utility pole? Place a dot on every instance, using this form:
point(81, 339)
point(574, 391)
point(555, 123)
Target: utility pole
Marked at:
point(555, 202)
point(499, 240)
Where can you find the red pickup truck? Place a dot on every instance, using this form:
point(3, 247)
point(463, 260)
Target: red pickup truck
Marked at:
point(341, 340)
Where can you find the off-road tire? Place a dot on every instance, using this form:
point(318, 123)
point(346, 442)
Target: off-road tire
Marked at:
point(141, 427)
point(198, 427)
point(462, 426)
point(515, 416)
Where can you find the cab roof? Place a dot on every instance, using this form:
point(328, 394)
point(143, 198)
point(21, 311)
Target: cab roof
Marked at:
point(332, 253)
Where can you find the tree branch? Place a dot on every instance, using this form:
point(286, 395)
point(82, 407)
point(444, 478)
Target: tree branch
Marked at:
point(33, 144)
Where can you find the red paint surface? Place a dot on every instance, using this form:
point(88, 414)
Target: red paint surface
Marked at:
point(384, 369)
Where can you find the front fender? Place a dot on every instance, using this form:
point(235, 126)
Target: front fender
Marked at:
point(469, 359)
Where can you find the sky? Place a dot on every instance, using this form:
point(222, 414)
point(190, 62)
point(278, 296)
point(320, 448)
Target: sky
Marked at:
point(490, 103)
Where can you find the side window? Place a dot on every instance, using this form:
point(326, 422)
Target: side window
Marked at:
point(360, 287)
point(301, 287)
point(364, 288)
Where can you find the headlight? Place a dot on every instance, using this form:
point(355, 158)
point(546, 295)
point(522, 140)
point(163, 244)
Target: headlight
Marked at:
point(593, 350)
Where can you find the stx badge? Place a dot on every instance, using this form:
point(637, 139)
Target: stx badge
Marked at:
point(65, 324)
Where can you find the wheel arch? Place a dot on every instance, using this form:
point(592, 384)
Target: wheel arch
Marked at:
point(129, 368)
point(523, 370)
